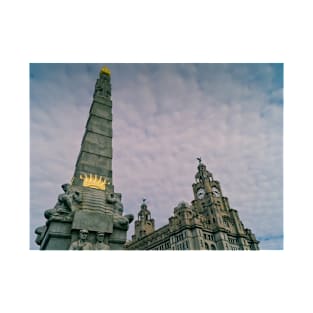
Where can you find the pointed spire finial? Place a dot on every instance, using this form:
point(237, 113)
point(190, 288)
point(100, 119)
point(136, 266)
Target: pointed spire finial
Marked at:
point(199, 159)
point(143, 205)
point(105, 70)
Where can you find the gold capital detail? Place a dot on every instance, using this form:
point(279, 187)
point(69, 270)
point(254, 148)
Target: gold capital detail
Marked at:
point(105, 70)
point(94, 181)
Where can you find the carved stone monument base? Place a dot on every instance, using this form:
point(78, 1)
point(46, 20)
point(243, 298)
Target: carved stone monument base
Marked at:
point(58, 236)
point(85, 215)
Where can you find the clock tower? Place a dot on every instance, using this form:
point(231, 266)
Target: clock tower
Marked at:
point(204, 189)
point(210, 202)
point(209, 223)
point(144, 224)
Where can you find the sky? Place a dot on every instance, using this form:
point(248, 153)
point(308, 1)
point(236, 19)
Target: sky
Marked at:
point(164, 117)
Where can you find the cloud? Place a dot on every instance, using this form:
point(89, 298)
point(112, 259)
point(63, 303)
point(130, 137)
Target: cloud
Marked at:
point(164, 116)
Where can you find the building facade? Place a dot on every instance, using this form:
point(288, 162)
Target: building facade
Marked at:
point(207, 223)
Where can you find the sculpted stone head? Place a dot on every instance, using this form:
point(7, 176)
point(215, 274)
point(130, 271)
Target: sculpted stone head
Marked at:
point(83, 234)
point(100, 237)
point(65, 187)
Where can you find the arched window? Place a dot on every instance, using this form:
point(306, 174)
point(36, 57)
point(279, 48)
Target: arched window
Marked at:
point(206, 246)
point(213, 247)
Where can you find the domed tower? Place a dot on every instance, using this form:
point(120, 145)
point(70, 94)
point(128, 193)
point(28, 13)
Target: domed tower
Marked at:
point(203, 188)
point(208, 197)
point(144, 225)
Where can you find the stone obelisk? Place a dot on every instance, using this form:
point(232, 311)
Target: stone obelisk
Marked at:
point(95, 156)
point(89, 214)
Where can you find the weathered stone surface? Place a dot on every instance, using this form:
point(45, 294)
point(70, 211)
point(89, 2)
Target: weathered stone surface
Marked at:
point(68, 201)
point(118, 236)
point(103, 100)
point(94, 159)
point(99, 125)
point(101, 110)
point(82, 243)
point(101, 242)
point(95, 200)
point(101, 140)
point(97, 149)
point(58, 236)
point(93, 221)
point(40, 232)
point(117, 239)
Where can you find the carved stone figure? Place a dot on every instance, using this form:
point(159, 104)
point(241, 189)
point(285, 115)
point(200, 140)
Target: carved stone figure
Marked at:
point(40, 232)
point(81, 243)
point(202, 173)
point(119, 221)
point(112, 198)
point(100, 244)
point(65, 202)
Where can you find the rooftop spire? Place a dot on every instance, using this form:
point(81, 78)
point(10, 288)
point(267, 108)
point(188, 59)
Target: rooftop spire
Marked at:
point(144, 205)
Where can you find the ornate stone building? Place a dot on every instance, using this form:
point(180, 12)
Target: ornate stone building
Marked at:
point(208, 223)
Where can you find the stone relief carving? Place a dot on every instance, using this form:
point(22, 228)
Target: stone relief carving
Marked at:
point(40, 232)
point(81, 243)
point(119, 221)
point(101, 88)
point(201, 176)
point(100, 244)
point(66, 204)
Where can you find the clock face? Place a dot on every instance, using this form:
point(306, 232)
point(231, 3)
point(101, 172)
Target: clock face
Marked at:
point(216, 192)
point(200, 193)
